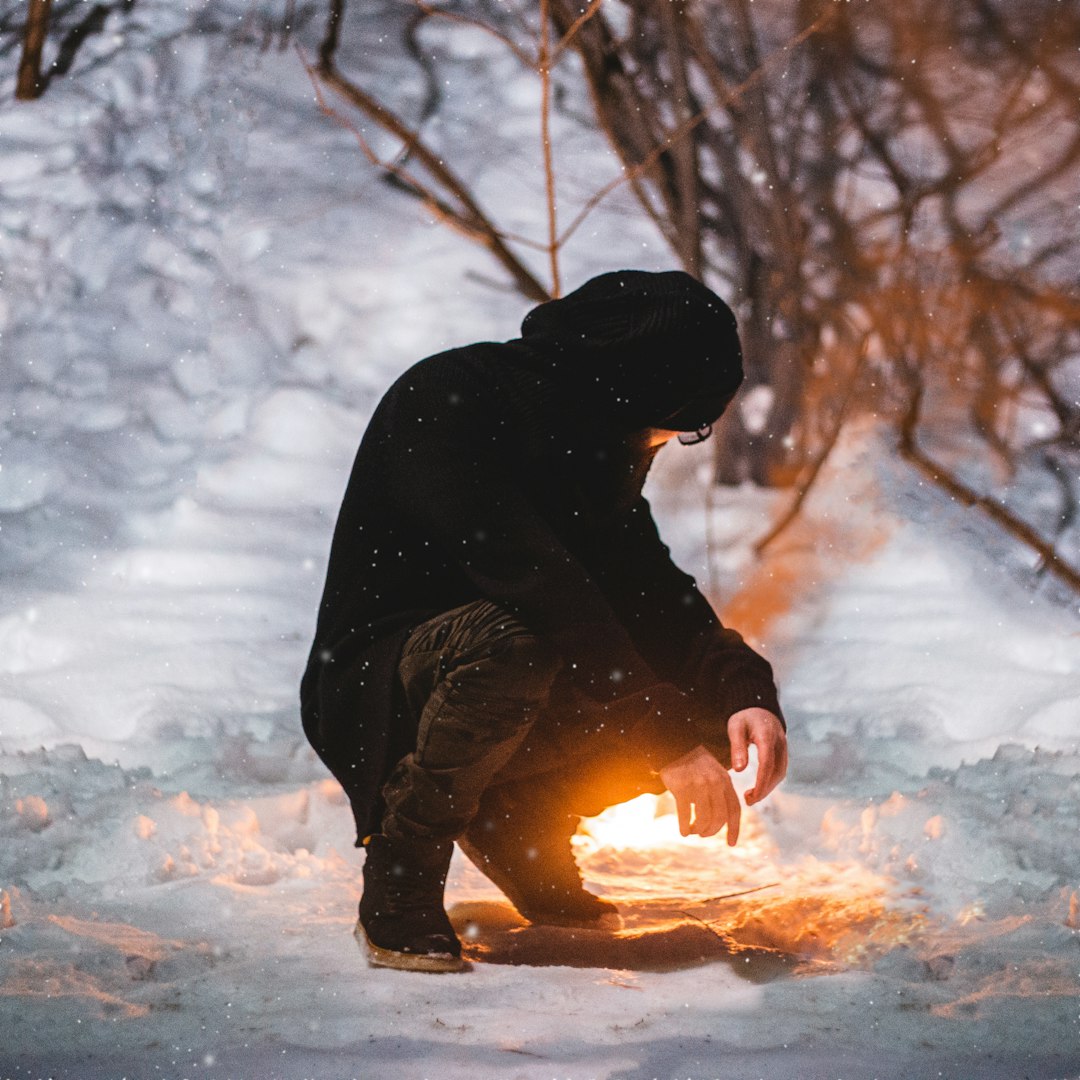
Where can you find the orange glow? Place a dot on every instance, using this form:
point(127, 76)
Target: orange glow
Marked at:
point(1036, 980)
point(644, 822)
point(802, 562)
point(832, 912)
point(970, 914)
point(126, 956)
point(7, 920)
point(51, 979)
point(129, 940)
point(34, 812)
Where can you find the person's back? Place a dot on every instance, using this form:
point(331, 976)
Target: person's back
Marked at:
point(499, 610)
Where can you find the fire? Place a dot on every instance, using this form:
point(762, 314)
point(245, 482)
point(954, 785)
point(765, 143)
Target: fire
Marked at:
point(649, 821)
point(645, 822)
point(823, 911)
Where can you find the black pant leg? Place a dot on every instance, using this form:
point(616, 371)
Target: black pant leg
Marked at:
point(478, 678)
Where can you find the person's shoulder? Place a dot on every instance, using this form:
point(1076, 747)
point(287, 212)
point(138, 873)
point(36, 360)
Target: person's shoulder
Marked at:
point(462, 364)
point(453, 376)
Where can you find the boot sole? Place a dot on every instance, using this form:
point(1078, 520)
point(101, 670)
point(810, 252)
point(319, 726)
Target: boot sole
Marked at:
point(610, 920)
point(402, 961)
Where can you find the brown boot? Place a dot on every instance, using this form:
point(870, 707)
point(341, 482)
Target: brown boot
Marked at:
point(529, 857)
point(402, 920)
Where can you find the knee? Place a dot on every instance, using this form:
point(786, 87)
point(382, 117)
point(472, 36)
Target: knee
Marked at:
point(495, 694)
point(528, 660)
point(509, 664)
point(498, 640)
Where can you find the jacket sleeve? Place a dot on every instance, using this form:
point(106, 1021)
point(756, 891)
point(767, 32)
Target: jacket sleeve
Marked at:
point(679, 634)
point(453, 479)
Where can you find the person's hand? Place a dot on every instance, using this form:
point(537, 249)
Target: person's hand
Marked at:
point(764, 730)
point(704, 795)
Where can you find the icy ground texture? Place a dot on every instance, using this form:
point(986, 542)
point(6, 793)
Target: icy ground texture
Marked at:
point(204, 291)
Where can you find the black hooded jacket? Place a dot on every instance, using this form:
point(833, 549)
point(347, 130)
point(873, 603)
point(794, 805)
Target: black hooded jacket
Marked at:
point(512, 471)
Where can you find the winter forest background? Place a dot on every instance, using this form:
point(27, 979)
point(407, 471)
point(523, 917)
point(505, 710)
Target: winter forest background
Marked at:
point(226, 226)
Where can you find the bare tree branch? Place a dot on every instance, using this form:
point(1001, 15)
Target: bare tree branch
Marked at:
point(29, 83)
point(464, 213)
point(994, 509)
point(646, 163)
point(478, 24)
point(543, 66)
point(575, 26)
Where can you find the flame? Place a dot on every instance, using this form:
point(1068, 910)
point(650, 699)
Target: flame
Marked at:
point(650, 821)
point(645, 822)
point(836, 911)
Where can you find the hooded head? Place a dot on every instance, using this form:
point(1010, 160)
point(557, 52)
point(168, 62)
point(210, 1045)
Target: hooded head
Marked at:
point(641, 349)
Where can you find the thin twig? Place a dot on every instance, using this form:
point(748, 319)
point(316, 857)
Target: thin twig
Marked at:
point(733, 946)
point(468, 20)
point(575, 26)
point(727, 939)
point(543, 67)
point(467, 218)
point(328, 45)
point(743, 892)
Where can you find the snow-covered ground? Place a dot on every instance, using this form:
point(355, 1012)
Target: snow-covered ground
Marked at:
point(204, 290)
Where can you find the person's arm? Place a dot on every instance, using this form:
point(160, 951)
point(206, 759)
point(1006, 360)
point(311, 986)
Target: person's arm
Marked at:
point(679, 634)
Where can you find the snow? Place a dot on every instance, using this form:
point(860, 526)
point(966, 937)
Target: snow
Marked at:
point(205, 290)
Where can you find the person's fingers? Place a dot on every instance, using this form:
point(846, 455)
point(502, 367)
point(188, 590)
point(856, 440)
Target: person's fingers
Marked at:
point(734, 814)
point(683, 806)
point(772, 758)
point(764, 771)
point(740, 754)
point(705, 823)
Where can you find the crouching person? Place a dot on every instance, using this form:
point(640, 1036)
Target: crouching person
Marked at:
point(504, 644)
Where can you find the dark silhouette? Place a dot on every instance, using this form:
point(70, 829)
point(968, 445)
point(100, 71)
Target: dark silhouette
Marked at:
point(504, 643)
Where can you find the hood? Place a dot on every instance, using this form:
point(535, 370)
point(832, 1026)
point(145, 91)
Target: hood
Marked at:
point(637, 349)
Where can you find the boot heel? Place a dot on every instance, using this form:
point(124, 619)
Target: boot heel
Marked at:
point(403, 961)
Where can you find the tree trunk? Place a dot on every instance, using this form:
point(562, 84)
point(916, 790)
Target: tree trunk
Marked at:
point(30, 84)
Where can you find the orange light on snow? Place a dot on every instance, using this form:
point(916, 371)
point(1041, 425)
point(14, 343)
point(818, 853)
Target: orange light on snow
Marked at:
point(825, 911)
